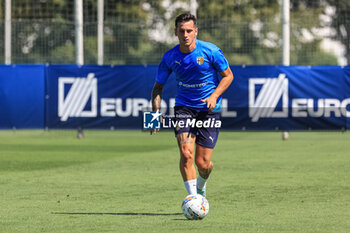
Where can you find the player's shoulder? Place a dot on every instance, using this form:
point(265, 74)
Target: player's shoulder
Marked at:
point(170, 54)
point(210, 47)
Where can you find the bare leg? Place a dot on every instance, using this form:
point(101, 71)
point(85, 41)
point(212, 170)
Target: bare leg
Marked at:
point(203, 161)
point(205, 166)
point(186, 142)
point(205, 173)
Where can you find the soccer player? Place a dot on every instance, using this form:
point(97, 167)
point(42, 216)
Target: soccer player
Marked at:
point(198, 66)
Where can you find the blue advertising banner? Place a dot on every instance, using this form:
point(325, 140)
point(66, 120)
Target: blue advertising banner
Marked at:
point(91, 96)
point(260, 98)
point(289, 98)
point(22, 96)
point(100, 96)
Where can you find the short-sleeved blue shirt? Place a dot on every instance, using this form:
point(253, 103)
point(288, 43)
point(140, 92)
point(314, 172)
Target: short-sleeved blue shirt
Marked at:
point(197, 74)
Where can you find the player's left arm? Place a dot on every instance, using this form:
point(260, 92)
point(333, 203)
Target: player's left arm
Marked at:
point(227, 78)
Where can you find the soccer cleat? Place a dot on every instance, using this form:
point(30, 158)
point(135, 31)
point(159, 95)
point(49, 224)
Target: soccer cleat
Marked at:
point(201, 191)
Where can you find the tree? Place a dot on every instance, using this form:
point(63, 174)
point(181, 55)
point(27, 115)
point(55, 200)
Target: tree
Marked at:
point(240, 28)
point(140, 31)
point(305, 42)
point(39, 28)
point(341, 23)
point(249, 32)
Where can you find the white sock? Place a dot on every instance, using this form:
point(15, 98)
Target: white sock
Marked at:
point(191, 186)
point(201, 182)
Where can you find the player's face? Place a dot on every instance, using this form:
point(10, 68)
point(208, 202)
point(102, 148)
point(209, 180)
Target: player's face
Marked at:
point(186, 32)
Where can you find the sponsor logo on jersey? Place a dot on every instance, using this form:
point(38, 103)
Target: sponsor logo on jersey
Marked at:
point(196, 85)
point(178, 62)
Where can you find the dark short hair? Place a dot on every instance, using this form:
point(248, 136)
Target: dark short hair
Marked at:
point(185, 18)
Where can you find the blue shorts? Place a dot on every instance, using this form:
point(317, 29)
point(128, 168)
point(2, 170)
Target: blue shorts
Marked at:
point(206, 133)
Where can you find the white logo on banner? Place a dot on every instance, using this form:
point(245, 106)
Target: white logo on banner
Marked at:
point(81, 91)
point(272, 90)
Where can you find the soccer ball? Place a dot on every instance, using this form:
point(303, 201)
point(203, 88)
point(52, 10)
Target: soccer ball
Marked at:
point(195, 207)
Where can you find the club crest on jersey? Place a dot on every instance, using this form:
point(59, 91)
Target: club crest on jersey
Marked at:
point(200, 60)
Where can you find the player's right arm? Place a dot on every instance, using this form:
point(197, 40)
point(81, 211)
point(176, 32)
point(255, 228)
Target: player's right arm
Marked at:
point(156, 100)
point(162, 76)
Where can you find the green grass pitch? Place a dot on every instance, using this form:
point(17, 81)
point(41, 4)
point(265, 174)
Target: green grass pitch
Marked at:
point(129, 181)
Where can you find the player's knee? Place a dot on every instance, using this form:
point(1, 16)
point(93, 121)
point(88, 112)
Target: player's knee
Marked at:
point(187, 154)
point(202, 164)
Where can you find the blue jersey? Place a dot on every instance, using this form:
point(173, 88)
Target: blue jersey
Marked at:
point(197, 74)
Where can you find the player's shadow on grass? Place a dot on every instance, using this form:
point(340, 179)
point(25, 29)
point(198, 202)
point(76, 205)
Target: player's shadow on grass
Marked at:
point(143, 214)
